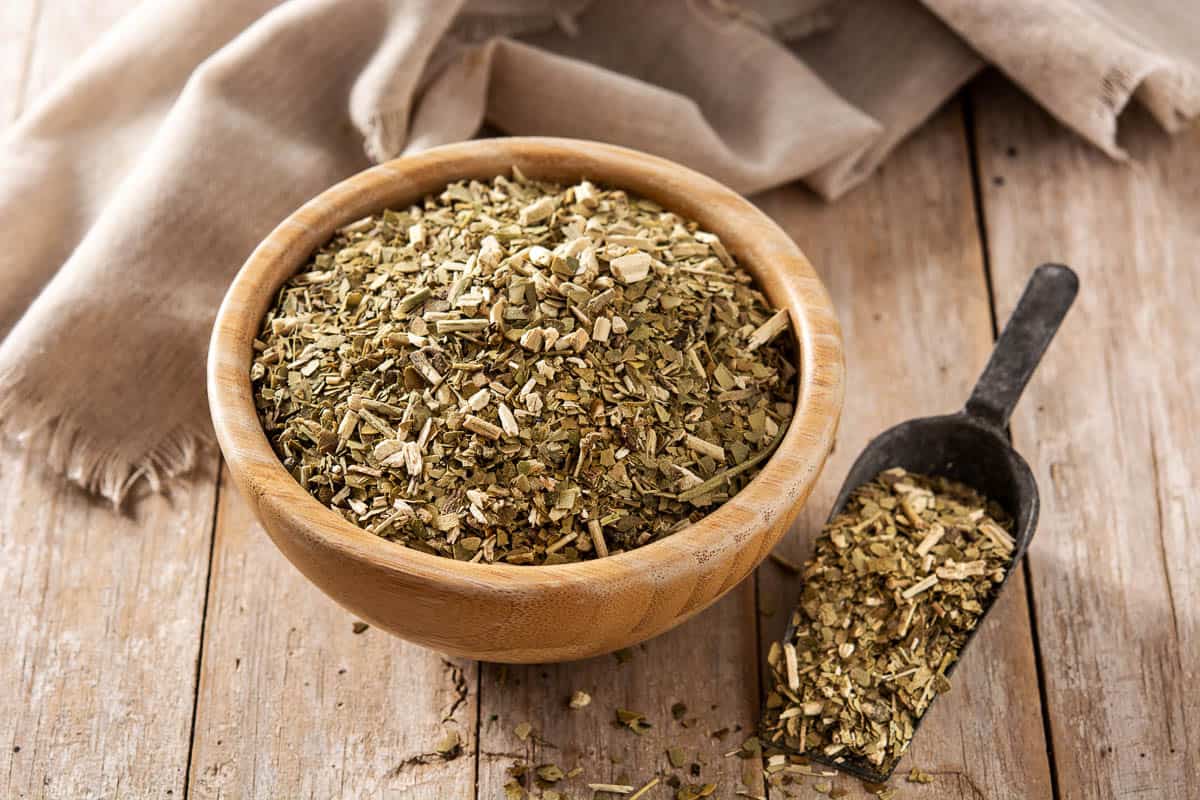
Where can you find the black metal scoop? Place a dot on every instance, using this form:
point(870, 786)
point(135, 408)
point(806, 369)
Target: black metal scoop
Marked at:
point(972, 445)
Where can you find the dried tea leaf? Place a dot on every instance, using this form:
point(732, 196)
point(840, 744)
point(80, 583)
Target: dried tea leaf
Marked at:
point(517, 371)
point(550, 773)
point(642, 791)
point(610, 788)
point(898, 581)
point(633, 720)
point(916, 775)
point(449, 746)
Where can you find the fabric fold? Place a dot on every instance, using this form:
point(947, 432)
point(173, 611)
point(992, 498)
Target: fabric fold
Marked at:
point(134, 189)
point(1084, 61)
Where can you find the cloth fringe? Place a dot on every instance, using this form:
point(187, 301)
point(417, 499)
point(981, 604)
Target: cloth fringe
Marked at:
point(99, 468)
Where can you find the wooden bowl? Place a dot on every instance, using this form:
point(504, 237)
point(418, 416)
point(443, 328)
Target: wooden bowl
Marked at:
point(501, 612)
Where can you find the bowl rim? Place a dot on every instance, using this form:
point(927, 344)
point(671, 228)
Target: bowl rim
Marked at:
point(777, 490)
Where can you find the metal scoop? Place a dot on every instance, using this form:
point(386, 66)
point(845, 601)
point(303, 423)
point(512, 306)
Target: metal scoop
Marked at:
point(972, 446)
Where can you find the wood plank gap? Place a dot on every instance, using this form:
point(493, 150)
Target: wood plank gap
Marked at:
point(981, 221)
point(968, 126)
point(478, 721)
point(760, 682)
point(971, 134)
point(903, 259)
point(1112, 403)
point(297, 701)
point(212, 547)
point(1047, 729)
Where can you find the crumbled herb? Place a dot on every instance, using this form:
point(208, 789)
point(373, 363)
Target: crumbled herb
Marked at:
point(610, 788)
point(898, 581)
point(523, 372)
point(695, 791)
point(523, 730)
point(678, 711)
point(632, 720)
point(359, 627)
point(518, 779)
point(642, 791)
point(916, 775)
point(751, 748)
point(449, 746)
point(550, 773)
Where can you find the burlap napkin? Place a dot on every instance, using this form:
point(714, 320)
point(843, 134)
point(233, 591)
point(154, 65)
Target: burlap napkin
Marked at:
point(132, 192)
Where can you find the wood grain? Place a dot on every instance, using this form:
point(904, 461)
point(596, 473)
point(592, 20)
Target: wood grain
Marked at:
point(1109, 426)
point(103, 610)
point(100, 636)
point(502, 612)
point(293, 703)
point(901, 256)
point(709, 664)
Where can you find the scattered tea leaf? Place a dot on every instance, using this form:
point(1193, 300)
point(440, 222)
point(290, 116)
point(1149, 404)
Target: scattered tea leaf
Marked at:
point(916, 775)
point(610, 788)
point(550, 773)
point(449, 746)
point(633, 720)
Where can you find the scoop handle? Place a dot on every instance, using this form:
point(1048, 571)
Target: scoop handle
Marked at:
point(1033, 323)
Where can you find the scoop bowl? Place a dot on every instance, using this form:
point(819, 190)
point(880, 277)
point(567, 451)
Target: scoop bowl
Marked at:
point(972, 446)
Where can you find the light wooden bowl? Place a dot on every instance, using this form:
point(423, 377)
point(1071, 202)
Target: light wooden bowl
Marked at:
point(501, 612)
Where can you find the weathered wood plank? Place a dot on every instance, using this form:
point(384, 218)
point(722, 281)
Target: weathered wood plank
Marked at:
point(902, 259)
point(1111, 428)
point(293, 703)
point(100, 636)
point(103, 618)
point(709, 664)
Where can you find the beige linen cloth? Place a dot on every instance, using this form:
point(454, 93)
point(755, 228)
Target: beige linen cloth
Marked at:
point(133, 191)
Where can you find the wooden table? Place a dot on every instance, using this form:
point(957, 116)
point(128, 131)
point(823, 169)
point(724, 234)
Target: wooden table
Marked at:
point(173, 653)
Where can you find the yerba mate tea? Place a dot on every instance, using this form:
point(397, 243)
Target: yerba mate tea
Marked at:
point(523, 372)
point(899, 580)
